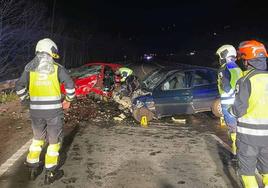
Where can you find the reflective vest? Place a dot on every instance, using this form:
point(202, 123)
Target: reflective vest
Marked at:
point(255, 120)
point(125, 72)
point(45, 94)
point(236, 73)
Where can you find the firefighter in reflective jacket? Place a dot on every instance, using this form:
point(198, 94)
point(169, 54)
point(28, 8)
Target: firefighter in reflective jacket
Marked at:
point(250, 108)
point(40, 83)
point(124, 73)
point(228, 74)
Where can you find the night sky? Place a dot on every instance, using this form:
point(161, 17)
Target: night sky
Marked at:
point(167, 23)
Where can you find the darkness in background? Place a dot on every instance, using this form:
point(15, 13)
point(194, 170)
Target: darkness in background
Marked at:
point(168, 26)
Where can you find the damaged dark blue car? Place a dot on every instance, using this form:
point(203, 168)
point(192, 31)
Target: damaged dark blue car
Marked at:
point(175, 91)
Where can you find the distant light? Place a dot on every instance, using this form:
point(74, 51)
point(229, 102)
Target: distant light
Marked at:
point(148, 57)
point(192, 53)
point(214, 33)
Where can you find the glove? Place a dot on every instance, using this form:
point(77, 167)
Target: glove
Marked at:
point(66, 104)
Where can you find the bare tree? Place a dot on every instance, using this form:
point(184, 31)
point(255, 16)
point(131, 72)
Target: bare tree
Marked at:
point(21, 24)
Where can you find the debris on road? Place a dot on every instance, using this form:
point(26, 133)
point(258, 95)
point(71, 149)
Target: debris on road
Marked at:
point(178, 120)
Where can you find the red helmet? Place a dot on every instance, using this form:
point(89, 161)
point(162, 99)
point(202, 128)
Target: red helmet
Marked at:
point(251, 49)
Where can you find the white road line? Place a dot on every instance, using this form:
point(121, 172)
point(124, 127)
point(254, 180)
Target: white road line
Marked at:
point(142, 68)
point(6, 165)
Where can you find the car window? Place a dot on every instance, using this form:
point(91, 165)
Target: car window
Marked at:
point(85, 71)
point(204, 77)
point(177, 81)
point(153, 79)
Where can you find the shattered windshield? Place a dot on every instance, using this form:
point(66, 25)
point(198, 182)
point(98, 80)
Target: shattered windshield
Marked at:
point(85, 71)
point(153, 79)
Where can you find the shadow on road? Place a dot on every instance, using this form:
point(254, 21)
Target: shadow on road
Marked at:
point(224, 163)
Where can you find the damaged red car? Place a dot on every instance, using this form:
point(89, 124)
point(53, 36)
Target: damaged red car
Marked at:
point(97, 78)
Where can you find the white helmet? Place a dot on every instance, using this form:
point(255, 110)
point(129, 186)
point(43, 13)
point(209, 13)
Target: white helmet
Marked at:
point(48, 46)
point(226, 51)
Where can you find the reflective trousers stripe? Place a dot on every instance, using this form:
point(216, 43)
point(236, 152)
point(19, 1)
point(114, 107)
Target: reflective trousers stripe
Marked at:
point(53, 153)
point(70, 91)
point(52, 156)
point(21, 91)
point(45, 107)
point(52, 98)
point(229, 94)
point(254, 132)
point(23, 97)
point(253, 121)
point(227, 101)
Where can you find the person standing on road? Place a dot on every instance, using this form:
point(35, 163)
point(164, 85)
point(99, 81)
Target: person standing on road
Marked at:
point(250, 109)
point(228, 74)
point(40, 83)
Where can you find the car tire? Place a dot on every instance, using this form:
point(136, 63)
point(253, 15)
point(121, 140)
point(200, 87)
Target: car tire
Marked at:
point(216, 108)
point(138, 113)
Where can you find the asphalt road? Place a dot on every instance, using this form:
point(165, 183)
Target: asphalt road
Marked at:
point(103, 153)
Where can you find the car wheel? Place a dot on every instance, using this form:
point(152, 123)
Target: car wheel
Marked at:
point(216, 108)
point(138, 113)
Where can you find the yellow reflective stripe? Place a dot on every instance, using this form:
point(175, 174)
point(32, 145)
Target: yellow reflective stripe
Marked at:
point(253, 121)
point(38, 142)
point(21, 91)
point(32, 161)
point(70, 90)
point(249, 181)
point(45, 106)
point(51, 158)
point(51, 161)
point(53, 147)
point(254, 132)
point(265, 180)
point(33, 156)
point(50, 98)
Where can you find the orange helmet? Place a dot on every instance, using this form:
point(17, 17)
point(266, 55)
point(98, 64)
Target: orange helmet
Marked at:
point(251, 49)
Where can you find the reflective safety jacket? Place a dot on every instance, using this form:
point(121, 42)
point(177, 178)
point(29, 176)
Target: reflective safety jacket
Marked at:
point(250, 107)
point(125, 72)
point(228, 75)
point(44, 91)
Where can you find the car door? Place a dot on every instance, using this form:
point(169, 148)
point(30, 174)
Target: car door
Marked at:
point(204, 89)
point(173, 96)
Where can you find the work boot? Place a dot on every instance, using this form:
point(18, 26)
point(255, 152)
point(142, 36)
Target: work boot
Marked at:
point(34, 170)
point(53, 175)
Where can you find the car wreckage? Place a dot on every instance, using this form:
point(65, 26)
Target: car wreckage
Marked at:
point(97, 79)
point(174, 91)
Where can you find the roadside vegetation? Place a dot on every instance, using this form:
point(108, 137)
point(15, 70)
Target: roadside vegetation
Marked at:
point(7, 97)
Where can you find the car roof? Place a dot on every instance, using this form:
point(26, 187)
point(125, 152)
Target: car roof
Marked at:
point(182, 67)
point(113, 65)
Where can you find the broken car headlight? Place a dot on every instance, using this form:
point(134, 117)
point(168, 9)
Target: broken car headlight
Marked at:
point(150, 105)
point(139, 104)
